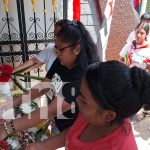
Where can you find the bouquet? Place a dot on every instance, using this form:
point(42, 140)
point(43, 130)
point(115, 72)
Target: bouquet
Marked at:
point(31, 135)
point(6, 72)
point(38, 133)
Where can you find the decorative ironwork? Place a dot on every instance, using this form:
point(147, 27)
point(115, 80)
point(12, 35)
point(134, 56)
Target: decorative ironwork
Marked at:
point(16, 45)
point(23, 37)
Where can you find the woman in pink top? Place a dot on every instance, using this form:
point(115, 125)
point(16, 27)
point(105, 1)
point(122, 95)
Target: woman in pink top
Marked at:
point(110, 93)
point(108, 98)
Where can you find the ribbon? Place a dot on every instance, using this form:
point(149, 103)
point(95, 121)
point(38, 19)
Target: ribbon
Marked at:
point(44, 10)
point(6, 5)
point(76, 9)
point(33, 5)
point(54, 5)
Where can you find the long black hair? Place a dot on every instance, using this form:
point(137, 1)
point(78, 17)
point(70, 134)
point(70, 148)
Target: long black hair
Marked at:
point(145, 16)
point(145, 26)
point(115, 86)
point(75, 32)
point(62, 22)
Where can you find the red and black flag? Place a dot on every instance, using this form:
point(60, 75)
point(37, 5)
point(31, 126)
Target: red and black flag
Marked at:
point(137, 5)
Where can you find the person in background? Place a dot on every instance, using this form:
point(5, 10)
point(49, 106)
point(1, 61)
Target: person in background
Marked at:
point(75, 51)
point(110, 93)
point(46, 56)
point(137, 53)
point(132, 36)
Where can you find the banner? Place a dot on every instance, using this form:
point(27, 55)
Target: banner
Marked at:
point(34, 5)
point(137, 5)
point(76, 9)
point(6, 5)
point(54, 5)
point(105, 29)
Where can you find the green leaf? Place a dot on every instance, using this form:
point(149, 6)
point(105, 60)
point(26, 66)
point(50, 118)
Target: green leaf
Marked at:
point(24, 69)
point(29, 76)
point(34, 105)
point(41, 131)
point(19, 85)
point(38, 136)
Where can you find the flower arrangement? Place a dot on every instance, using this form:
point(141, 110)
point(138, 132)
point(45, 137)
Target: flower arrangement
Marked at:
point(18, 139)
point(38, 133)
point(6, 72)
point(3, 145)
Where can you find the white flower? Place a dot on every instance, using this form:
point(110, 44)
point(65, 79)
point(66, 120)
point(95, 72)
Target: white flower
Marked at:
point(34, 130)
point(26, 108)
point(14, 143)
point(44, 137)
point(8, 114)
point(5, 90)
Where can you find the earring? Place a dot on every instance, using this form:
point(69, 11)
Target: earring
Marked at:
point(76, 53)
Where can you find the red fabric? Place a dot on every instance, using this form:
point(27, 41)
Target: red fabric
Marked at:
point(147, 61)
point(5, 72)
point(76, 9)
point(118, 140)
point(134, 48)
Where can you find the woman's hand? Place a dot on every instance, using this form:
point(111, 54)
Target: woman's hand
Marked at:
point(33, 146)
point(2, 133)
point(1, 121)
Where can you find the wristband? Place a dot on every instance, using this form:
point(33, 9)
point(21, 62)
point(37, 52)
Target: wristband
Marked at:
point(12, 125)
point(6, 128)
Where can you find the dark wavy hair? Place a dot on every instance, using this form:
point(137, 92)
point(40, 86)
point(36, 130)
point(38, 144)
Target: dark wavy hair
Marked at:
point(144, 26)
point(115, 86)
point(145, 16)
point(75, 32)
point(62, 22)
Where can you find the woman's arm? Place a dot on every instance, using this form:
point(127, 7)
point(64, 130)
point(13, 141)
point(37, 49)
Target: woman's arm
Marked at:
point(35, 92)
point(123, 52)
point(55, 108)
point(122, 59)
point(53, 143)
point(29, 62)
point(25, 122)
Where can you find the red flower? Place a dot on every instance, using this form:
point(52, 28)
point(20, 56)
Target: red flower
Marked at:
point(147, 61)
point(3, 145)
point(5, 72)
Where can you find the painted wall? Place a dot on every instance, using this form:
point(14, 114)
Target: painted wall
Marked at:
point(124, 21)
point(89, 16)
point(148, 6)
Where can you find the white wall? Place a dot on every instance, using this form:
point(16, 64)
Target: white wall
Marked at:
point(89, 16)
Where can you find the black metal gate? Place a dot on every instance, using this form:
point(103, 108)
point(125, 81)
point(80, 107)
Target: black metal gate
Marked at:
point(23, 36)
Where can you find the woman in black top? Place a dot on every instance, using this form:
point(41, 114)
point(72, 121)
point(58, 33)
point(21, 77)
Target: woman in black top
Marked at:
point(75, 50)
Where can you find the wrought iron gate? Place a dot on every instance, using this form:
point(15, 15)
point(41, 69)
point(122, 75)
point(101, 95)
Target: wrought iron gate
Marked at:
point(25, 31)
